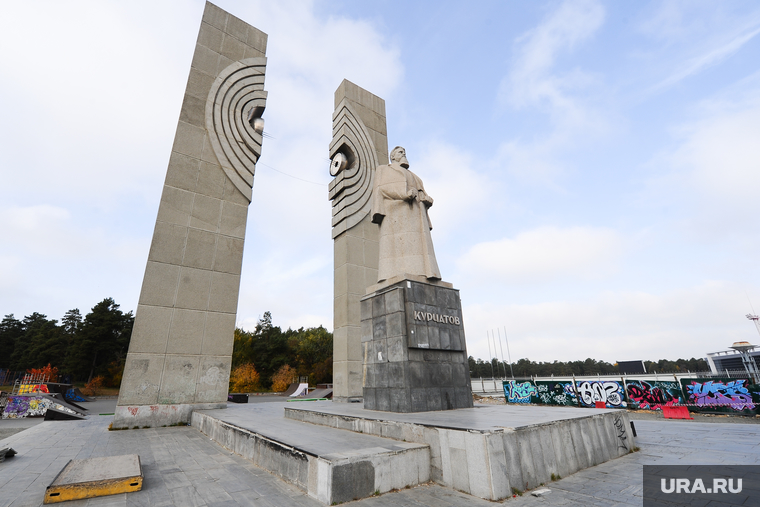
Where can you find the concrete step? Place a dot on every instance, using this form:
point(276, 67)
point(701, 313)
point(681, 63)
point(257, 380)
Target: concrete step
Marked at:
point(330, 464)
point(488, 450)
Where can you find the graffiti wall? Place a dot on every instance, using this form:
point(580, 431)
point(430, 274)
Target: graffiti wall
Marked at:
point(556, 392)
point(710, 395)
point(722, 395)
point(608, 391)
point(653, 394)
point(520, 392)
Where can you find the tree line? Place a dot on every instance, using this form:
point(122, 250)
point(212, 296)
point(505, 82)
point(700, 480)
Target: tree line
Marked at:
point(305, 352)
point(80, 347)
point(527, 368)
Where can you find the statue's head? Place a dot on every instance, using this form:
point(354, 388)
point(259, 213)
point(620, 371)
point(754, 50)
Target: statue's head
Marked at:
point(398, 154)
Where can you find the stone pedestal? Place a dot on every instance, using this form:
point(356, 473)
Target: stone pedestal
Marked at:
point(414, 350)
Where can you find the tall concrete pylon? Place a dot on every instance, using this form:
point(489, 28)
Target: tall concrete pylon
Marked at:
point(359, 145)
point(181, 348)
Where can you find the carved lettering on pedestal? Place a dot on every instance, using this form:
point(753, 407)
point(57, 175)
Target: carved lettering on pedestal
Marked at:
point(437, 317)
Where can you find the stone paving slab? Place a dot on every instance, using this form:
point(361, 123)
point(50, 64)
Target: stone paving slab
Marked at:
point(183, 467)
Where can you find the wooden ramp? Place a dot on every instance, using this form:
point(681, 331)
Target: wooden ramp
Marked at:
point(92, 477)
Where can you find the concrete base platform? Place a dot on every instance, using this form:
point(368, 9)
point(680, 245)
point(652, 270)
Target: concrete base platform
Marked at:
point(329, 464)
point(488, 451)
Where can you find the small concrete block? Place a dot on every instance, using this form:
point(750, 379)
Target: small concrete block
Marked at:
point(215, 16)
point(193, 291)
point(234, 217)
point(210, 37)
point(366, 328)
point(257, 39)
point(211, 180)
point(193, 111)
point(401, 399)
point(541, 492)
point(189, 139)
point(183, 171)
point(159, 284)
point(179, 379)
point(141, 380)
point(379, 330)
point(378, 306)
point(151, 329)
point(383, 399)
point(219, 334)
point(229, 255)
point(366, 309)
point(199, 252)
point(205, 60)
point(176, 206)
point(396, 324)
point(206, 213)
point(94, 477)
point(213, 379)
point(224, 292)
point(352, 481)
point(186, 334)
point(397, 375)
point(394, 301)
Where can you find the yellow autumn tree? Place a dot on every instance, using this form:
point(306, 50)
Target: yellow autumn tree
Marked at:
point(282, 379)
point(244, 379)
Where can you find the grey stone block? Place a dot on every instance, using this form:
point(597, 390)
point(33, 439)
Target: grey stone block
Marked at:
point(394, 301)
point(383, 399)
point(378, 306)
point(397, 375)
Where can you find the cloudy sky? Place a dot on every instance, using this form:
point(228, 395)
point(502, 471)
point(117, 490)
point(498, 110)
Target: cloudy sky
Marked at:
point(595, 166)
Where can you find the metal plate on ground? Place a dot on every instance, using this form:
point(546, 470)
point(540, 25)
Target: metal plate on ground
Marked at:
point(88, 478)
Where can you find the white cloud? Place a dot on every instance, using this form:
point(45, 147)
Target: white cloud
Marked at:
point(713, 56)
point(545, 254)
point(617, 325)
point(531, 81)
point(458, 190)
point(710, 172)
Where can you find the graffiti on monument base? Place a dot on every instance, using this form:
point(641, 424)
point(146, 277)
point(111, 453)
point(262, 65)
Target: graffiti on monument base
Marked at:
point(556, 393)
point(653, 394)
point(721, 394)
point(608, 391)
point(520, 392)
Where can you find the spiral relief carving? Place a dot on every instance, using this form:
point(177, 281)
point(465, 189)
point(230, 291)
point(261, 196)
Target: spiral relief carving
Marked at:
point(353, 162)
point(233, 119)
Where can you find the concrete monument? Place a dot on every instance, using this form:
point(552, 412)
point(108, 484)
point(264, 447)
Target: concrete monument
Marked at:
point(358, 146)
point(415, 355)
point(180, 353)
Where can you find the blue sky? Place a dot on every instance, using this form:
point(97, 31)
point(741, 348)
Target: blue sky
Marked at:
point(595, 166)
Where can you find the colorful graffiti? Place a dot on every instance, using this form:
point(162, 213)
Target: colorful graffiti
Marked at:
point(556, 393)
point(519, 392)
point(721, 394)
point(19, 407)
point(716, 395)
point(608, 391)
point(652, 394)
point(32, 388)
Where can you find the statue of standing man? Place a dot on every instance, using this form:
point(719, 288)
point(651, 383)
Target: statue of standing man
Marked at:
point(400, 206)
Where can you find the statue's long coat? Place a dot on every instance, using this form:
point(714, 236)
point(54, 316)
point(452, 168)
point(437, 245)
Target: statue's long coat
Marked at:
point(405, 243)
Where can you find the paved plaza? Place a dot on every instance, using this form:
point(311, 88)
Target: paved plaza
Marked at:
point(184, 468)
